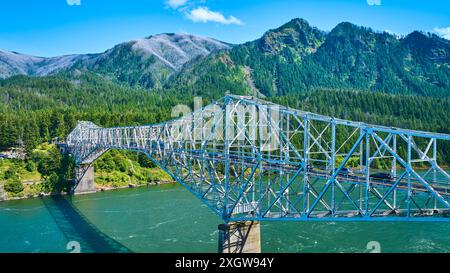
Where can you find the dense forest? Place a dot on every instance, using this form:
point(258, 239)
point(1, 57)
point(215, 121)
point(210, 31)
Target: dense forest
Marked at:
point(36, 110)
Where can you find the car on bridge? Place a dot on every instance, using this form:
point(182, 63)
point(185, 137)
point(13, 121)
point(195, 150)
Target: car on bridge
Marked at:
point(382, 176)
point(345, 171)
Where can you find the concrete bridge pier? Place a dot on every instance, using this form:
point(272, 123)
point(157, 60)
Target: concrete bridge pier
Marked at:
point(240, 237)
point(3, 195)
point(83, 179)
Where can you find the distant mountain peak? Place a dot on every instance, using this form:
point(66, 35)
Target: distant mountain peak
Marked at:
point(175, 50)
point(428, 45)
point(150, 61)
point(296, 33)
point(417, 34)
point(426, 37)
point(348, 29)
point(346, 24)
point(161, 34)
point(298, 23)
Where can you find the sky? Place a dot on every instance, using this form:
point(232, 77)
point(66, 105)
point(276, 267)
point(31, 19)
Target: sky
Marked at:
point(58, 27)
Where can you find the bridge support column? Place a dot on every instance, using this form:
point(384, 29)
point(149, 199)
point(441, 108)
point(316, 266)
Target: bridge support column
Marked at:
point(84, 179)
point(240, 237)
point(3, 195)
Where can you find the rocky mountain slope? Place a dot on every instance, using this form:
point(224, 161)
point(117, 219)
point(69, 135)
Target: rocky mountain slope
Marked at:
point(147, 62)
point(13, 63)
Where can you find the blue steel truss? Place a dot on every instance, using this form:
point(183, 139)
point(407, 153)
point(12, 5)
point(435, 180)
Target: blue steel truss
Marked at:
point(249, 159)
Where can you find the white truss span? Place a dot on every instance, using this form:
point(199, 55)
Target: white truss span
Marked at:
point(250, 159)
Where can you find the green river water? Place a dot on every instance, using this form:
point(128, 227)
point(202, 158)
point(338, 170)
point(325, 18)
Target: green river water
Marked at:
point(167, 218)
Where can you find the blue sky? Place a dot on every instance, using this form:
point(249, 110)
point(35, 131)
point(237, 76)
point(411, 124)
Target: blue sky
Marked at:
point(57, 27)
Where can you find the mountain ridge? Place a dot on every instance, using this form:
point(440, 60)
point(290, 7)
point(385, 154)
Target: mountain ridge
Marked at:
point(169, 52)
point(347, 57)
point(291, 58)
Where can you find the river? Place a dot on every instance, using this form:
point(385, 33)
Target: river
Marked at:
point(167, 218)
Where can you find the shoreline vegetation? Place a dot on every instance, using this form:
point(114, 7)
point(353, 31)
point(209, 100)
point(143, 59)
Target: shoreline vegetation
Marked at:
point(97, 190)
point(46, 172)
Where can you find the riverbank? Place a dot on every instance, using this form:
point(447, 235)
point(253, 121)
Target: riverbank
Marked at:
point(46, 172)
point(109, 188)
point(98, 188)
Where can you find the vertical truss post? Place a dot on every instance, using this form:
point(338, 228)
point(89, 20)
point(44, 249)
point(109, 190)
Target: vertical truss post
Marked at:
point(281, 173)
point(394, 160)
point(226, 151)
point(286, 154)
point(305, 165)
point(361, 152)
point(366, 197)
point(332, 165)
point(394, 170)
point(434, 164)
point(202, 142)
point(361, 167)
point(261, 167)
point(408, 170)
point(269, 150)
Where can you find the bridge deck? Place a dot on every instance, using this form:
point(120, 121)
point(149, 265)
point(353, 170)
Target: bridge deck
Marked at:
point(271, 165)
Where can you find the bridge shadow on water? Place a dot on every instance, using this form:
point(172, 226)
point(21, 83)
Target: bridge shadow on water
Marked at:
point(76, 227)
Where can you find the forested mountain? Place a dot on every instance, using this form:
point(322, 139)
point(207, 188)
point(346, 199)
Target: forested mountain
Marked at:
point(149, 62)
point(290, 59)
point(297, 57)
point(145, 62)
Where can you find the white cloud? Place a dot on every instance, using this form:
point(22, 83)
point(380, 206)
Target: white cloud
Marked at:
point(204, 15)
point(443, 31)
point(374, 2)
point(176, 3)
point(73, 2)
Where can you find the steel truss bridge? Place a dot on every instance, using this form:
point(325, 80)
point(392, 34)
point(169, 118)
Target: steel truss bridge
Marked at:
point(249, 159)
